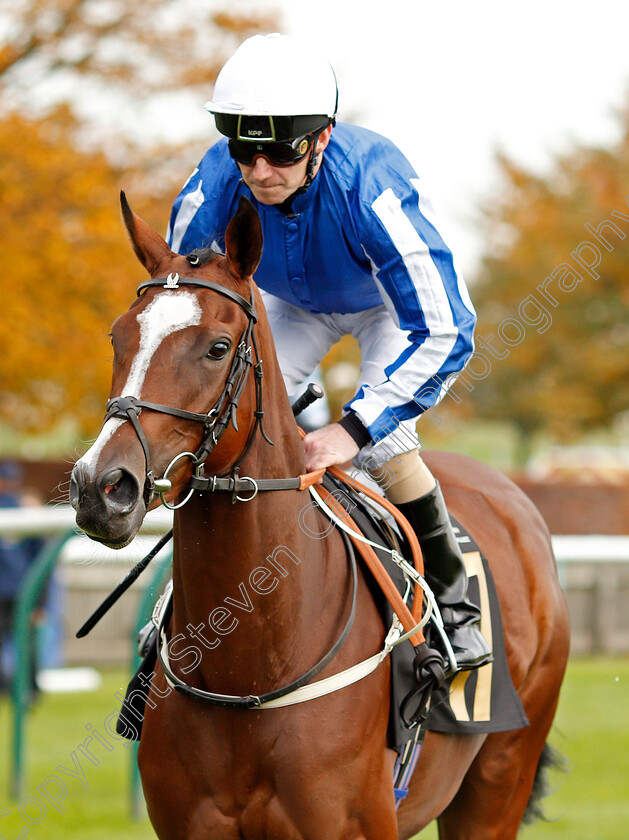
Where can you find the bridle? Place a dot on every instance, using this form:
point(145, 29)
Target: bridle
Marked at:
point(215, 423)
point(220, 416)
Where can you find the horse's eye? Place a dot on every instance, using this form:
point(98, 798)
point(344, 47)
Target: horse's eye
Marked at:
point(219, 349)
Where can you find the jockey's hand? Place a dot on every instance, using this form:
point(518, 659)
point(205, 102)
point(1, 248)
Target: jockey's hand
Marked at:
point(329, 446)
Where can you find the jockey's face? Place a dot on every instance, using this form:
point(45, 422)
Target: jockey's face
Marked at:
point(274, 184)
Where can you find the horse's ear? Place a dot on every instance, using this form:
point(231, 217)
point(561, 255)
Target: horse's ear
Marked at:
point(148, 245)
point(243, 240)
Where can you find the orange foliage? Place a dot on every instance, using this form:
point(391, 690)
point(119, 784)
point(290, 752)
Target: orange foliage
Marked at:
point(560, 329)
point(67, 272)
point(136, 47)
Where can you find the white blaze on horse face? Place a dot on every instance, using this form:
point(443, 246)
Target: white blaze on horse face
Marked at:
point(168, 313)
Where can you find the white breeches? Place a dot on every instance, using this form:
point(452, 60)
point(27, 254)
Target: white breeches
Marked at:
point(303, 338)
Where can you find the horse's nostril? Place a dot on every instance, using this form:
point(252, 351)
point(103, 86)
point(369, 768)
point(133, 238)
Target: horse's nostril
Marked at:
point(74, 492)
point(114, 478)
point(120, 490)
point(78, 486)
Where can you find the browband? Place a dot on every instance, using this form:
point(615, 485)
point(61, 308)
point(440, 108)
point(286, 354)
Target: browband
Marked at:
point(174, 281)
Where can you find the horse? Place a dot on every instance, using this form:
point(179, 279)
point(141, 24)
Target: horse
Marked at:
point(258, 598)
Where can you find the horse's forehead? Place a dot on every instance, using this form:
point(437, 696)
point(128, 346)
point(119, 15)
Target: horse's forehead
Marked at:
point(167, 313)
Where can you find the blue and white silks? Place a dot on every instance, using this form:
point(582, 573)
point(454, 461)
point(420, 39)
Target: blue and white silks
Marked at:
point(363, 235)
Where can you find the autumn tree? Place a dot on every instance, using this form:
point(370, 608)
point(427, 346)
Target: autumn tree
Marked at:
point(67, 271)
point(67, 267)
point(136, 48)
point(553, 299)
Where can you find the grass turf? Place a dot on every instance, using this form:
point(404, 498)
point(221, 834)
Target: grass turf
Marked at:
point(97, 805)
point(588, 803)
point(591, 730)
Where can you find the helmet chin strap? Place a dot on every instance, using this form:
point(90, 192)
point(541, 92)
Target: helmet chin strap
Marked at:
point(286, 206)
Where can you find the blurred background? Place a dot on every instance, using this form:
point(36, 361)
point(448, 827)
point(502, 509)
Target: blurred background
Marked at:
point(518, 119)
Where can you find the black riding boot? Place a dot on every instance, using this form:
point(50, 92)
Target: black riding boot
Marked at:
point(445, 573)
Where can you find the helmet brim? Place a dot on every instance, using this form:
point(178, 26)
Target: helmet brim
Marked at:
point(265, 128)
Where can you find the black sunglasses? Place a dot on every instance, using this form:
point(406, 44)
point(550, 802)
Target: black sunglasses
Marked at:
point(283, 153)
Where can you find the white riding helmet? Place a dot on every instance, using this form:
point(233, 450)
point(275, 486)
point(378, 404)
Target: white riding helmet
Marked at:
point(274, 76)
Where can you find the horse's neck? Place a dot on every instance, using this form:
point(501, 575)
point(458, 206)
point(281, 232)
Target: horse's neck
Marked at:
point(249, 574)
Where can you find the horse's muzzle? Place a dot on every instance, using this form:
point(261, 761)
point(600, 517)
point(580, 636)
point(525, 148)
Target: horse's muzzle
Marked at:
point(109, 506)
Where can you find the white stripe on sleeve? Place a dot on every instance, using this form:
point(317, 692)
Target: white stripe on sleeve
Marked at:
point(427, 210)
point(187, 210)
point(415, 253)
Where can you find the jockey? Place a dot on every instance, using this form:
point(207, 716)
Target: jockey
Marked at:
point(350, 247)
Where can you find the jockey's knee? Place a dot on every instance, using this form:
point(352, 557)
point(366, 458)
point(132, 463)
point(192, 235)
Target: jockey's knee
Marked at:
point(404, 477)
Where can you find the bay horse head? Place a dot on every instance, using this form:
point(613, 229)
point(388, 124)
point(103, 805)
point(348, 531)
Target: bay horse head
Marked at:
point(184, 350)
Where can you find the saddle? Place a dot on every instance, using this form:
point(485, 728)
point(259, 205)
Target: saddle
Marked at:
point(466, 702)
